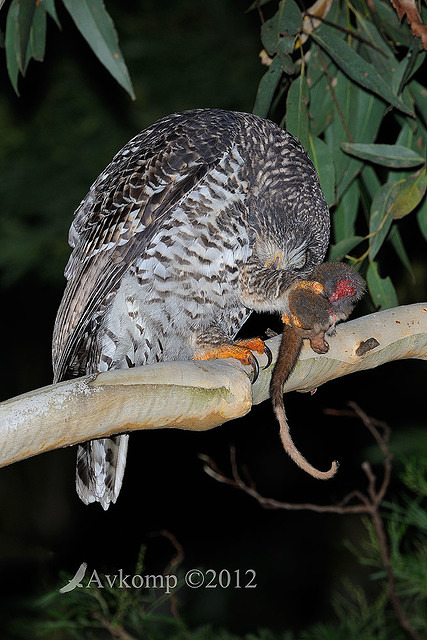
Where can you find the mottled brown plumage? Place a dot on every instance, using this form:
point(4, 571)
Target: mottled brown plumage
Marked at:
point(200, 219)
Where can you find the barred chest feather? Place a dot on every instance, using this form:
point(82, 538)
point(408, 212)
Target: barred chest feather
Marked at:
point(186, 281)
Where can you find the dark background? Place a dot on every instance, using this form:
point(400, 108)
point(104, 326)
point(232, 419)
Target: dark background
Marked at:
point(55, 139)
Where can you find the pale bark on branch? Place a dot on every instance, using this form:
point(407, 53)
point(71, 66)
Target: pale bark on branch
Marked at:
point(194, 395)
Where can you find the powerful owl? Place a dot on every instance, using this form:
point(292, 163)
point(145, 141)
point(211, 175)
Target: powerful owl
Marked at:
point(199, 220)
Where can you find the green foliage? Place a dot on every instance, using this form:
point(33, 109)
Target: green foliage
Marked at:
point(362, 609)
point(363, 615)
point(94, 614)
point(26, 36)
point(346, 85)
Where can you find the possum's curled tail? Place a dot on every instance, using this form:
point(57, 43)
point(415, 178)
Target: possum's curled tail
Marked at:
point(290, 348)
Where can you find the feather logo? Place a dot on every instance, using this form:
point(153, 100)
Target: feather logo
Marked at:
point(76, 580)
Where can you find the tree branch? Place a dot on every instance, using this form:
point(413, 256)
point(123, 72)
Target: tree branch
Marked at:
point(356, 502)
point(194, 395)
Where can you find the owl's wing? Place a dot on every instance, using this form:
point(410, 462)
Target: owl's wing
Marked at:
point(125, 206)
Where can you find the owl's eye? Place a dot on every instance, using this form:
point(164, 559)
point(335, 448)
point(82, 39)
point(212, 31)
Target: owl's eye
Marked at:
point(303, 260)
point(275, 262)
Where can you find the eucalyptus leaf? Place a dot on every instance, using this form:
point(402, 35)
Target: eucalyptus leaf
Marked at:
point(38, 34)
point(382, 290)
point(422, 218)
point(404, 69)
point(290, 17)
point(397, 30)
point(12, 44)
point(369, 181)
point(51, 10)
point(344, 217)
point(378, 52)
point(267, 87)
point(357, 115)
point(285, 24)
point(388, 155)
point(407, 194)
point(406, 135)
point(283, 54)
point(320, 92)
point(397, 243)
point(96, 26)
point(356, 67)
point(343, 99)
point(269, 35)
point(342, 248)
point(381, 218)
point(25, 20)
point(419, 94)
point(324, 165)
point(315, 69)
point(297, 120)
point(365, 113)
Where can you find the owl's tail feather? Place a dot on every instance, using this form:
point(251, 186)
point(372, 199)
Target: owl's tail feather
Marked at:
point(100, 468)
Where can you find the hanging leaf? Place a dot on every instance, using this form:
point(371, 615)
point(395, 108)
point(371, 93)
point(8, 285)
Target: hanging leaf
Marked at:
point(344, 217)
point(267, 88)
point(322, 114)
point(393, 200)
point(25, 20)
point(37, 42)
point(397, 243)
point(287, 21)
point(51, 10)
point(380, 219)
point(357, 115)
point(96, 26)
point(422, 218)
point(356, 67)
point(289, 17)
point(387, 155)
point(12, 44)
point(398, 31)
point(324, 165)
point(365, 115)
point(382, 290)
point(370, 182)
point(284, 49)
point(297, 121)
point(407, 194)
point(339, 250)
point(419, 94)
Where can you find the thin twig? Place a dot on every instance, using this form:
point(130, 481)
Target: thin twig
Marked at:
point(178, 557)
point(116, 631)
point(174, 562)
point(260, 13)
point(368, 503)
point(386, 558)
point(211, 468)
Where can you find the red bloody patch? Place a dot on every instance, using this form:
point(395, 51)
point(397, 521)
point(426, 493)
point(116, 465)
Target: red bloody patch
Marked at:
point(344, 289)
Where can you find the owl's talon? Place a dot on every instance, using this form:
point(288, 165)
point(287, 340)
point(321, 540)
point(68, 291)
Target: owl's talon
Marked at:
point(255, 366)
point(241, 350)
point(267, 352)
point(259, 346)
